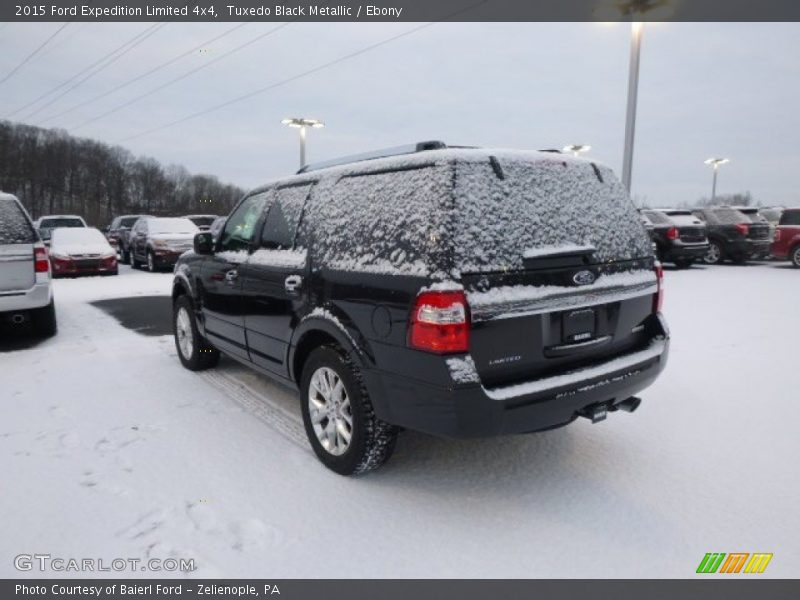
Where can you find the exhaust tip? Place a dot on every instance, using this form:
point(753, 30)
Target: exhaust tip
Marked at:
point(629, 405)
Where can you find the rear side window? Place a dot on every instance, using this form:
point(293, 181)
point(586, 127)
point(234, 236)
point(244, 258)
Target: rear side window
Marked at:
point(790, 217)
point(283, 217)
point(389, 222)
point(14, 225)
point(538, 205)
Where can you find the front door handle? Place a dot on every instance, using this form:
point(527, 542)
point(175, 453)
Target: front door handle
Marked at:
point(293, 283)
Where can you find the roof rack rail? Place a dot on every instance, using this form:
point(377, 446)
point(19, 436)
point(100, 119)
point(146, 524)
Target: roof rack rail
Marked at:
point(385, 153)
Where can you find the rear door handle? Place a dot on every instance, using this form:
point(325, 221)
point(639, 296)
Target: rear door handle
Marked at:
point(293, 283)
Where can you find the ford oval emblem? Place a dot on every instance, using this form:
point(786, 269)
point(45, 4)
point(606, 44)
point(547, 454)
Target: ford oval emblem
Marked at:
point(583, 278)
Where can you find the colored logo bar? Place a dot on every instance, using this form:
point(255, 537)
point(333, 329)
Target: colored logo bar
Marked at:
point(735, 562)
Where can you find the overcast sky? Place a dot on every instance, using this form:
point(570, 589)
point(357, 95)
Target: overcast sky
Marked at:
point(705, 90)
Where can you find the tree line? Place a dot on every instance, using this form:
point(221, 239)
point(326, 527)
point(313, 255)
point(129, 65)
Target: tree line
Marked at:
point(52, 172)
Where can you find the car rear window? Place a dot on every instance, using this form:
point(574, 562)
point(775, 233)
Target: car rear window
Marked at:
point(790, 217)
point(658, 218)
point(726, 216)
point(14, 225)
point(516, 206)
point(685, 220)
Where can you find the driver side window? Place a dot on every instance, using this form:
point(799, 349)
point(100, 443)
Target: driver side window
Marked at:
point(239, 228)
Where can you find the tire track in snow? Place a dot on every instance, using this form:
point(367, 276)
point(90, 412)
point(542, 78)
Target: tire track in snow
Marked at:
point(256, 404)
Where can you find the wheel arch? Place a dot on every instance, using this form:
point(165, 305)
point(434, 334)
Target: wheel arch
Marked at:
point(318, 329)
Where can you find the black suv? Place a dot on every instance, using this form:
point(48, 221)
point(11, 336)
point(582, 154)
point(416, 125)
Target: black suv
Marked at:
point(732, 235)
point(459, 292)
point(680, 237)
point(118, 233)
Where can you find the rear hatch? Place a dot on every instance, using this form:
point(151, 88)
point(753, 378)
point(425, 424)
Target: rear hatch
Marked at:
point(16, 248)
point(690, 228)
point(556, 264)
point(759, 227)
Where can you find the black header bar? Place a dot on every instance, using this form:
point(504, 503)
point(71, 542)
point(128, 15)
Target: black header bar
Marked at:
point(399, 10)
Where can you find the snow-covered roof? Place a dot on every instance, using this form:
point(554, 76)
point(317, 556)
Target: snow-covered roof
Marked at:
point(427, 157)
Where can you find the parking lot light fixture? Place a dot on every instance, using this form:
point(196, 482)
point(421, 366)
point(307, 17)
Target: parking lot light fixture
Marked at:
point(302, 124)
point(715, 164)
point(576, 149)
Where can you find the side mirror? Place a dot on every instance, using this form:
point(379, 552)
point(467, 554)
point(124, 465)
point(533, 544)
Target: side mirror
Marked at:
point(203, 243)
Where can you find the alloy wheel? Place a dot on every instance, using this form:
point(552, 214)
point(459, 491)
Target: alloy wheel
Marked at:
point(330, 411)
point(713, 255)
point(183, 329)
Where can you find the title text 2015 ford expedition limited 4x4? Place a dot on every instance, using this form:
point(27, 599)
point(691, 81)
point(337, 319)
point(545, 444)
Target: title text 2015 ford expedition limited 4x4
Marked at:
point(460, 292)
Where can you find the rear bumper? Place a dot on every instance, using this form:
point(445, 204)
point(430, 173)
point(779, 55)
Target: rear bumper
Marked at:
point(682, 251)
point(38, 296)
point(748, 248)
point(463, 411)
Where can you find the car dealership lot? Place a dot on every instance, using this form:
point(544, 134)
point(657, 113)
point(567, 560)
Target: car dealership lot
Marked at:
point(111, 449)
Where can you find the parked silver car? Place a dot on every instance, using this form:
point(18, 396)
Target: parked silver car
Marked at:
point(26, 293)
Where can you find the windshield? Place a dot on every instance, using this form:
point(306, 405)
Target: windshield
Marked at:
point(127, 221)
point(83, 235)
point(178, 225)
point(203, 221)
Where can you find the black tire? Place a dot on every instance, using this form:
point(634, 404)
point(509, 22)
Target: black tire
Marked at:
point(133, 261)
point(794, 256)
point(372, 440)
point(684, 263)
point(126, 257)
point(202, 355)
point(715, 255)
point(151, 262)
point(44, 320)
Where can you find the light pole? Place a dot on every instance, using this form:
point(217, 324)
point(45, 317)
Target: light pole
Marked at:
point(715, 163)
point(630, 114)
point(301, 124)
point(576, 149)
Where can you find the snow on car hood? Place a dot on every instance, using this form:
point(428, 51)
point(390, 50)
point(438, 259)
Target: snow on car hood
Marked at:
point(72, 249)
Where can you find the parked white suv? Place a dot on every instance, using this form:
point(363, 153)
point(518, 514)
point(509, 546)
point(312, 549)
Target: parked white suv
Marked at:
point(26, 293)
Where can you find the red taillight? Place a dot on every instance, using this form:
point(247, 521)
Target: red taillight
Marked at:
point(40, 262)
point(743, 228)
point(673, 233)
point(658, 299)
point(777, 237)
point(440, 322)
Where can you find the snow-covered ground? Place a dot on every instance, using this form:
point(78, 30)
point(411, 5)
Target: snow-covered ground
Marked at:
point(109, 448)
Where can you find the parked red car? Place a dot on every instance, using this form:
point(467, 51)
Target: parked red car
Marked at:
point(81, 251)
point(786, 245)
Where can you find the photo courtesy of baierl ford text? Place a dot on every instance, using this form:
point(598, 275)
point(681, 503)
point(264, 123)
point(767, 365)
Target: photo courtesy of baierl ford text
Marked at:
point(465, 298)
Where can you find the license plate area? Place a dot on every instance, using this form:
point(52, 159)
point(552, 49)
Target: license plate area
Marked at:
point(579, 325)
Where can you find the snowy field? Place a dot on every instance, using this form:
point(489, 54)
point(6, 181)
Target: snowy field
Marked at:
point(109, 448)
